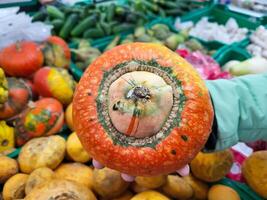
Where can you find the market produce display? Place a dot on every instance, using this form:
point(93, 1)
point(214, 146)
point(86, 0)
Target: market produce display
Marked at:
point(137, 107)
point(258, 40)
point(228, 33)
point(253, 5)
point(90, 21)
point(165, 8)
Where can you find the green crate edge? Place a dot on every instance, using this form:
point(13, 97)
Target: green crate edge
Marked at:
point(29, 3)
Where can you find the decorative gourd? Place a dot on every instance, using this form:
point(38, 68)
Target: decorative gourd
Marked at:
point(14, 188)
point(108, 183)
point(7, 137)
point(56, 52)
point(150, 195)
point(19, 94)
point(222, 192)
point(177, 188)
point(254, 170)
point(44, 117)
point(143, 110)
point(3, 88)
point(200, 188)
point(152, 182)
point(68, 117)
point(55, 82)
point(125, 196)
point(21, 59)
point(76, 172)
point(37, 178)
point(75, 150)
point(60, 190)
point(137, 188)
point(212, 167)
point(8, 168)
point(42, 152)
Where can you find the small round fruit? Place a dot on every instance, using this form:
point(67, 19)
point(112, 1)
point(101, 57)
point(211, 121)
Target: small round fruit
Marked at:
point(125, 196)
point(8, 168)
point(211, 167)
point(254, 170)
point(43, 118)
point(222, 192)
point(150, 195)
point(177, 188)
point(42, 152)
point(137, 188)
point(37, 178)
point(200, 189)
point(151, 182)
point(75, 150)
point(68, 117)
point(62, 190)
point(14, 188)
point(108, 183)
point(76, 172)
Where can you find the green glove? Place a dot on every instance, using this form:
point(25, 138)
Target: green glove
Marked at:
point(240, 107)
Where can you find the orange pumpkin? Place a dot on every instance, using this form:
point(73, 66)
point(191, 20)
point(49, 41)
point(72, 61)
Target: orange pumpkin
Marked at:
point(21, 59)
point(19, 94)
point(143, 110)
point(45, 117)
point(56, 52)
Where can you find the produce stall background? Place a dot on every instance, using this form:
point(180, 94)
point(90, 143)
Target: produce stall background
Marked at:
point(59, 40)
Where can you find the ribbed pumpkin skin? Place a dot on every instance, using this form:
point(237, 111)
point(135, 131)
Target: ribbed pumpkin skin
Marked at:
point(172, 152)
point(21, 59)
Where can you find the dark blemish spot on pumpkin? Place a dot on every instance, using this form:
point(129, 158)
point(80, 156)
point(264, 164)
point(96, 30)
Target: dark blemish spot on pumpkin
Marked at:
point(173, 152)
point(91, 119)
point(89, 93)
point(116, 106)
point(184, 137)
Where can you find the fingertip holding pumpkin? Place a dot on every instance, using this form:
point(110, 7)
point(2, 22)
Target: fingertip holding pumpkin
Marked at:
point(127, 177)
point(184, 171)
point(97, 164)
point(143, 110)
point(55, 82)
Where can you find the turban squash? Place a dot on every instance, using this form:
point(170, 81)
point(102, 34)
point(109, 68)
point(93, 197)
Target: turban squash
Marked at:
point(143, 110)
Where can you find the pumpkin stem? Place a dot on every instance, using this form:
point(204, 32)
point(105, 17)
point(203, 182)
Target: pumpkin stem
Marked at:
point(18, 46)
point(139, 93)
